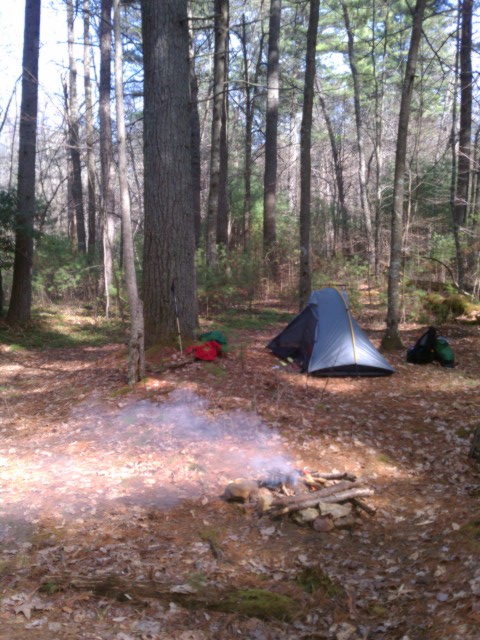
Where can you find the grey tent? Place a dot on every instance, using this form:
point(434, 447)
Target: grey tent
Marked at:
point(324, 339)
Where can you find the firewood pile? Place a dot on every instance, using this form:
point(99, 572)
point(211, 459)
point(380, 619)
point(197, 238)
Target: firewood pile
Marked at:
point(325, 501)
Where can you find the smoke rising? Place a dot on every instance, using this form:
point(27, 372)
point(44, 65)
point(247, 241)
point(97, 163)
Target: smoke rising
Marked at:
point(142, 453)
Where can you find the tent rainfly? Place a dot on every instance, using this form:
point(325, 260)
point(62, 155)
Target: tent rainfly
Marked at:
point(325, 340)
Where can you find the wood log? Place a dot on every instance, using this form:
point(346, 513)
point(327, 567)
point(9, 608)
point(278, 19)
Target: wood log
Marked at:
point(315, 499)
point(360, 504)
point(316, 495)
point(334, 476)
point(348, 495)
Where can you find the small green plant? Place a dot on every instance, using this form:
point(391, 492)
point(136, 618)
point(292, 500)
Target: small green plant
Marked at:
point(384, 458)
point(313, 579)
point(470, 533)
point(50, 588)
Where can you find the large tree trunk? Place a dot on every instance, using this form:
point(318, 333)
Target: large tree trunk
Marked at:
point(136, 350)
point(73, 135)
point(106, 151)
point(221, 40)
point(271, 127)
point(465, 133)
point(169, 245)
point(89, 135)
point(362, 165)
point(391, 339)
point(19, 311)
point(305, 284)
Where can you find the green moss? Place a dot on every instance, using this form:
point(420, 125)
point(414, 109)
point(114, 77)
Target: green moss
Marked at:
point(457, 305)
point(378, 610)
point(446, 307)
point(313, 579)
point(122, 391)
point(209, 534)
point(257, 603)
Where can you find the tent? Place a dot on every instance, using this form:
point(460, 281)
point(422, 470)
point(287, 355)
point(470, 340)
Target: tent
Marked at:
point(325, 340)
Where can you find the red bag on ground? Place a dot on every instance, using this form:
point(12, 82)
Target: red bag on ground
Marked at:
point(206, 351)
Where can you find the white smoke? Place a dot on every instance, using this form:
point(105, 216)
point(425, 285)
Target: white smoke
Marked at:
point(138, 454)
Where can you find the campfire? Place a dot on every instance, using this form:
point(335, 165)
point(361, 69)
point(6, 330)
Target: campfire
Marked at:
point(325, 501)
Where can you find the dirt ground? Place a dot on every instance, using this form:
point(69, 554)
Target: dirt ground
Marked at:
point(112, 524)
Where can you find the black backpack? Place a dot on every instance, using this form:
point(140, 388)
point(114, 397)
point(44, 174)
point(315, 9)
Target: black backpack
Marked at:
point(430, 347)
point(423, 351)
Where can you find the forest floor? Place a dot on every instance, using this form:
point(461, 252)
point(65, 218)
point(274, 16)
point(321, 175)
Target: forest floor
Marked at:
point(112, 525)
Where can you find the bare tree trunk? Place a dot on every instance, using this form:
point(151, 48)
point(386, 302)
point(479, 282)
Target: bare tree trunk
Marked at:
point(221, 40)
point(89, 133)
point(340, 183)
point(195, 139)
point(251, 93)
point(465, 132)
point(271, 128)
point(106, 150)
point(305, 283)
point(475, 200)
point(73, 135)
point(169, 247)
point(20, 307)
point(362, 165)
point(223, 204)
point(136, 350)
point(379, 84)
point(391, 339)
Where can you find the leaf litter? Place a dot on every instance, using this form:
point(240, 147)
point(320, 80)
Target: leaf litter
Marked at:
point(111, 524)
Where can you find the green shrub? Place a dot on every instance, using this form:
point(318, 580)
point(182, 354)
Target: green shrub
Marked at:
point(59, 275)
point(235, 280)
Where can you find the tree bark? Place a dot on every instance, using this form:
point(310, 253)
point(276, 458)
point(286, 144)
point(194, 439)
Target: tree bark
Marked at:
point(305, 284)
point(136, 349)
point(379, 102)
point(220, 55)
point(344, 218)
point(362, 165)
point(271, 128)
point(106, 150)
point(195, 151)
point(223, 201)
point(19, 311)
point(89, 135)
point(73, 135)
point(251, 93)
point(465, 133)
point(169, 246)
point(391, 340)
